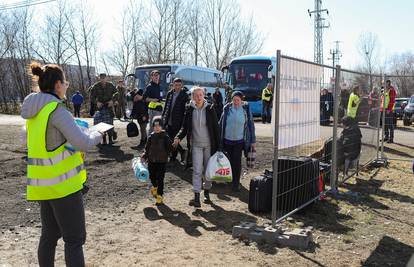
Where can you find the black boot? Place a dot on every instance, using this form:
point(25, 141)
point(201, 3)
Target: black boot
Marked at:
point(104, 140)
point(111, 142)
point(196, 201)
point(207, 197)
point(183, 154)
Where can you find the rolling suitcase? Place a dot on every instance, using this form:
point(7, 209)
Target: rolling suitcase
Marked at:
point(260, 193)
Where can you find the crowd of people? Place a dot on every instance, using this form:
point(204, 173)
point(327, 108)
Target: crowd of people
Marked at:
point(208, 124)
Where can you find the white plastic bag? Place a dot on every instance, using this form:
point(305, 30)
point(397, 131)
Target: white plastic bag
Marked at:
point(218, 168)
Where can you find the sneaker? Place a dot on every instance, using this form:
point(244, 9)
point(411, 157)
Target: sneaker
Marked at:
point(159, 200)
point(196, 201)
point(154, 191)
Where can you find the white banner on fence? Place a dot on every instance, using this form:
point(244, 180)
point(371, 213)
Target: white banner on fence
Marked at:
point(300, 86)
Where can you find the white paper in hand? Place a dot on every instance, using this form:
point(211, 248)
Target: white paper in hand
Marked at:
point(101, 127)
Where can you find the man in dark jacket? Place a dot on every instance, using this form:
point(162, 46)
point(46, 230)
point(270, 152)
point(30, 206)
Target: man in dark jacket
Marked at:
point(200, 124)
point(173, 114)
point(152, 96)
point(140, 113)
point(218, 102)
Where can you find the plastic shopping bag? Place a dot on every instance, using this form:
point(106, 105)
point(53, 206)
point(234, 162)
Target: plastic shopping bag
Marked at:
point(218, 168)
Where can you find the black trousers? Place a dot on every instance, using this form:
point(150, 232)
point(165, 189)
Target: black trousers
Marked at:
point(156, 173)
point(63, 217)
point(389, 126)
point(172, 133)
point(234, 152)
point(77, 110)
point(266, 114)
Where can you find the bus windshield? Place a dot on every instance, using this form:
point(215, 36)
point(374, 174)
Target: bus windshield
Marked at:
point(142, 76)
point(248, 75)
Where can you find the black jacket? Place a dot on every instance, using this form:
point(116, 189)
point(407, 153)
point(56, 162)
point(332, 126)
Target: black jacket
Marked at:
point(157, 148)
point(177, 111)
point(212, 125)
point(139, 109)
point(351, 141)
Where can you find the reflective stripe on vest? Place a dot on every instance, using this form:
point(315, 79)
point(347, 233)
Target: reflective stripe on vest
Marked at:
point(154, 105)
point(56, 180)
point(51, 161)
point(50, 174)
point(264, 97)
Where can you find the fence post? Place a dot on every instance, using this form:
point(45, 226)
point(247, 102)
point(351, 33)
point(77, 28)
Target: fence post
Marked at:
point(378, 121)
point(383, 117)
point(276, 106)
point(336, 91)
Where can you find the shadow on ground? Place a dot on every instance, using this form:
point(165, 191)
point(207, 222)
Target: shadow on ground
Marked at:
point(390, 252)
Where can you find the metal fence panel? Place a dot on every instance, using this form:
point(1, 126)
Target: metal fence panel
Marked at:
point(300, 134)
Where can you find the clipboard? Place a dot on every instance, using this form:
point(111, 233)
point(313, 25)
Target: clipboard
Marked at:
point(101, 127)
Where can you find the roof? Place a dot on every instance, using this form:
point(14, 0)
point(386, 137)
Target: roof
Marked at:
point(177, 66)
point(254, 57)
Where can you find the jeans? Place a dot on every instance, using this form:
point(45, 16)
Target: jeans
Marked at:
point(200, 155)
point(157, 173)
point(151, 114)
point(63, 217)
point(234, 152)
point(266, 113)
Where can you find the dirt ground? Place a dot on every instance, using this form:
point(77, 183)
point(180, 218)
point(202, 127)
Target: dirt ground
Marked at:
point(370, 223)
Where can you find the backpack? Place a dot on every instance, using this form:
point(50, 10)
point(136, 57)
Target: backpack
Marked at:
point(132, 129)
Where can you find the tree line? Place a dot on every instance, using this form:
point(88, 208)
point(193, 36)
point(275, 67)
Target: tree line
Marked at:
point(195, 32)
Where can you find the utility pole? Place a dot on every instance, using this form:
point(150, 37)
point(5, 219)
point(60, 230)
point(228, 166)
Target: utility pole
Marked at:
point(319, 26)
point(336, 55)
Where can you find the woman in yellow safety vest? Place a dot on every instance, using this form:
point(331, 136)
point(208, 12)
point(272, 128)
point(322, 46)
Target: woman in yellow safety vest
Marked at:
point(353, 103)
point(55, 168)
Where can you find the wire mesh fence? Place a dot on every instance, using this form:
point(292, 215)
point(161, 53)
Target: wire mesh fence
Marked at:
point(358, 120)
point(326, 125)
point(303, 116)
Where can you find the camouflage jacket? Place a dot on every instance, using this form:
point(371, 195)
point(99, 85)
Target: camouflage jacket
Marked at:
point(102, 92)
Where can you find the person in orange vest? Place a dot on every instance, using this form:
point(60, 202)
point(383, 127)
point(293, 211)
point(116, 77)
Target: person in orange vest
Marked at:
point(387, 106)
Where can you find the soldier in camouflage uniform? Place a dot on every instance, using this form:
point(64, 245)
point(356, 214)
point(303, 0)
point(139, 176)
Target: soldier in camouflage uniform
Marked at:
point(101, 94)
point(119, 100)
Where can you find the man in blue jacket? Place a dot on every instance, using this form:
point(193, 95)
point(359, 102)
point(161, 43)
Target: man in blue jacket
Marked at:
point(77, 100)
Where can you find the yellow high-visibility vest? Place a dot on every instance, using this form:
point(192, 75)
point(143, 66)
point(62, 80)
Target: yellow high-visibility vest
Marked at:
point(385, 100)
point(353, 105)
point(50, 174)
point(154, 105)
point(264, 93)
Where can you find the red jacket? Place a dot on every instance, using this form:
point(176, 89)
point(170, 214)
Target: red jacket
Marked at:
point(393, 96)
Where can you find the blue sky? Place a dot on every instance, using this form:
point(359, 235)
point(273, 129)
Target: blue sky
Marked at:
point(287, 25)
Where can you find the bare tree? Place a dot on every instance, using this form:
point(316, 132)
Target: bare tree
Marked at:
point(368, 47)
point(402, 65)
point(227, 35)
point(53, 45)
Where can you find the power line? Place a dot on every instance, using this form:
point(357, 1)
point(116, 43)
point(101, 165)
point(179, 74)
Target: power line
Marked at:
point(26, 3)
point(336, 55)
point(319, 26)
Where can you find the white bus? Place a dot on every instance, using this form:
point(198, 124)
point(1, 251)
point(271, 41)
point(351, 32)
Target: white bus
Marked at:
point(191, 76)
